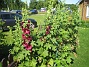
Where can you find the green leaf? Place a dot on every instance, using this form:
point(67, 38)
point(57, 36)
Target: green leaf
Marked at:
point(33, 63)
point(9, 38)
point(45, 53)
point(48, 46)
point(57, 61)
point(53, 40)
point(68, 59)
point(64, 54)
point(16, 49)
point(40, 50)
point(27, 63)
point(42, 65)
point(20, 56)
point(53, 47)
point(33, 43)
point(65, 48)
point(51, 62)
point(40, 42)
point(51, 32)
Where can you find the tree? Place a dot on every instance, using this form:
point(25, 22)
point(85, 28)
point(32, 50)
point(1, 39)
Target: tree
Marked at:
point(2, 4)
point(73, 7)
point(12, 4)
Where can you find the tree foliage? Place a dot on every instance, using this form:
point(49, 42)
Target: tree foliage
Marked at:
point(38, 4)
point(2, 4)
point(12, 4)
point(73, 7)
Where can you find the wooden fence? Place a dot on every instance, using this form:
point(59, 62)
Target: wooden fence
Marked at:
point(9, 62)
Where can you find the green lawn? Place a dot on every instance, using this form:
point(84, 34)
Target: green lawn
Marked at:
point(82, 59)
point(39, 18)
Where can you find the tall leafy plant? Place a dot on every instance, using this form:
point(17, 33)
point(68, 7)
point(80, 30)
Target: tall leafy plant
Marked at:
point(50, 47)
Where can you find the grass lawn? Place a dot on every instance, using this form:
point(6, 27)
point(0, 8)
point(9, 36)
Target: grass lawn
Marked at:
point(82, 59)
point(39, 18)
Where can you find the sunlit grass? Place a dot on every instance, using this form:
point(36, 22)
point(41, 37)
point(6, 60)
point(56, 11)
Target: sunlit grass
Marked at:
point(82, 59)
point(40, 18)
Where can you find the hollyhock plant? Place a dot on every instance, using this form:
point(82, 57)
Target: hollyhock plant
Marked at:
point(47, 32)
point(26, 36)
point(29, 38)
point(48, 28)
point(21, 24)
point(25, 44)
point(28, 25)
point(23, 36)
point(26, 31)
point(29, 47)
point(28, 21)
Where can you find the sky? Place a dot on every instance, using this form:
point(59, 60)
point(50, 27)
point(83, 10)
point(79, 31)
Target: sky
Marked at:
point(71, 1)
point(66, 1)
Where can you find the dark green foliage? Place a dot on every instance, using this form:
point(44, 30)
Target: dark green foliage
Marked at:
point(11, 4)
point(73, 7)
point(2, 4)
point(40, 4)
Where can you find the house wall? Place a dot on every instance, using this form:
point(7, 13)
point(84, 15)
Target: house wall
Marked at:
point(83, 8)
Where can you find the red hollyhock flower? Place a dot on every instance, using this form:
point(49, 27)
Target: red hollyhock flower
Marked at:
point(21, 23)
point(29, 38)
point(28, 25)
point(47, 32)
point(25, 44)
point(48, 28)
point(23, 37)
point(29, 47)
point(28, 21)
point(26, 31)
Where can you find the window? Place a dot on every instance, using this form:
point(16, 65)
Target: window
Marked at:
point(5, 16)
point(87, 12)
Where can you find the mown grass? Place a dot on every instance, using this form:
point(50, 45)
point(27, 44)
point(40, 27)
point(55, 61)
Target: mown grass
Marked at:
point(40, 18)
point(82, 59)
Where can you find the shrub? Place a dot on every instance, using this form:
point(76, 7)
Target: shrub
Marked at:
point(51, 47)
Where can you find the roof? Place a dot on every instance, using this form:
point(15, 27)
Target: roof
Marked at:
point(79, 1)
point(5, 13)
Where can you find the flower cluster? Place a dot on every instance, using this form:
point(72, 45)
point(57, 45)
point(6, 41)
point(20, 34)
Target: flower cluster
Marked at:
point(47, 30)
point(26, 35)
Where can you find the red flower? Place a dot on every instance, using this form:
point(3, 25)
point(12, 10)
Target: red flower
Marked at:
point(47, 32)
point(25, 44)
point(29, 38)
point(28, 25)
point(29, 47)
point(26, 31)
point(28, 21)
point(48, 28)
point(23, 36)
point(22, 23)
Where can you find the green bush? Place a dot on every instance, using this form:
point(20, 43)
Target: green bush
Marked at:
point(50, 47)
